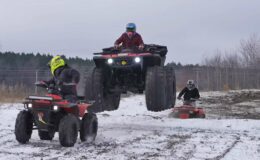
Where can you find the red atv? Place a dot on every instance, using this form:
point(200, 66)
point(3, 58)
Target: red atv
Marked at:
point(118, 71)
point(188, 110)
point(50, 114)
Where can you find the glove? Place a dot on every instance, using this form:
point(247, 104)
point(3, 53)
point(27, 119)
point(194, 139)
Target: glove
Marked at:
point(116, 46)
point(141, 47)
point(59, 82)
point(42, 82)
point(179, 98)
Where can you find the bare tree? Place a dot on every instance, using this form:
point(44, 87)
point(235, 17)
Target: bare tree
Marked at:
point(215, 61)
point(250, 51)
point(232, 60)
point(234, 69)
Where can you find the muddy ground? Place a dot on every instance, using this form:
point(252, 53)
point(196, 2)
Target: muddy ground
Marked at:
point(243, 104)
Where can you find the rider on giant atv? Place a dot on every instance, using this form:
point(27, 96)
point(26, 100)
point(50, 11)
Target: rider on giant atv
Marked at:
point(64, 79)
point(130, 39)
point(131, 66)
point(190, 93)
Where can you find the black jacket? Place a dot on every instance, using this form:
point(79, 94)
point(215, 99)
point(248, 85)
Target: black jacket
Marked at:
point(188, 94)
point(64, 76)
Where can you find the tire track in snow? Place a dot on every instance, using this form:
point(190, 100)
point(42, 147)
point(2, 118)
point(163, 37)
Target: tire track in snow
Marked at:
point(5, 132)
point(226, 151)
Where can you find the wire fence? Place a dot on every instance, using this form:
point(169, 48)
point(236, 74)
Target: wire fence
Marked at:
point(14, 81)
point(218, 79)
point(23, 80)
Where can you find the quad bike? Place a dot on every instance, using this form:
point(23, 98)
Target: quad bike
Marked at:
point(188, 110)
point(117, 71)
point(51, 113)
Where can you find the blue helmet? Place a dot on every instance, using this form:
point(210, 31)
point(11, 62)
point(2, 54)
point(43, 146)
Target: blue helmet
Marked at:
point(131, 27)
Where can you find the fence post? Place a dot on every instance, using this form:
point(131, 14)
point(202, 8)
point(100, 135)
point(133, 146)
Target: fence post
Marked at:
point(36, 80)
point(208, 80)
point(197, 78)
point(197, 70)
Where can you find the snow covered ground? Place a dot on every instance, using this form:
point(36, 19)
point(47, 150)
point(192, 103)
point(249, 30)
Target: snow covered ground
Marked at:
point(132, 132)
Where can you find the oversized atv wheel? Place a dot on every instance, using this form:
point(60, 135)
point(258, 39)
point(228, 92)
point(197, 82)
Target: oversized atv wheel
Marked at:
point(112, 102)
point(68, 130)
point(45, 135)
point(89, 127)
point(23, 126)
point(171, 87)
point(201, 116)
point(95, 90)
point(155, 89)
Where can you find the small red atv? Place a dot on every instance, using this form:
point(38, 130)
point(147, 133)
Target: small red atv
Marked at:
point(50, 114)
point(188, 110)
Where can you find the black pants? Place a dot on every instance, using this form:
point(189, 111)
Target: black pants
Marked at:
point(73, 99)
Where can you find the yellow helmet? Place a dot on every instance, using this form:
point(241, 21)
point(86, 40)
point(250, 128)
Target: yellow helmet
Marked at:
point(55, 63)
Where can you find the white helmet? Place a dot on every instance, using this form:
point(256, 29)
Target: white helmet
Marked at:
point(190, 84)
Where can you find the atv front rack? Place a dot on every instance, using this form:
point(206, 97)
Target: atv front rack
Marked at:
point(40, 98)
point(149, 48)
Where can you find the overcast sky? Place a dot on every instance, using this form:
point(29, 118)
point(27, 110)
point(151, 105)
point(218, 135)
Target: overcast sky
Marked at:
point(190, 28)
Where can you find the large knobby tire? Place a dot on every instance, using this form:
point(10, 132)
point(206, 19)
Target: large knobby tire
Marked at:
point(155, 89)
point(95, 91)
point(112, 102)
point(201, 116)
point(68, 130)
point(171, 87)
point(89, 127)
point(45, 135)
point(23, 126)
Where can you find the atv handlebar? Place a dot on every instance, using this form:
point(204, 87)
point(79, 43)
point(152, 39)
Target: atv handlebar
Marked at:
point(195, 99)
point(192, 99)
point(52, 88)
point(69, 84)
point(114, 50)
point(41, 84)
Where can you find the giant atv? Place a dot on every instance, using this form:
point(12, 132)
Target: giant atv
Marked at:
point(117, 71)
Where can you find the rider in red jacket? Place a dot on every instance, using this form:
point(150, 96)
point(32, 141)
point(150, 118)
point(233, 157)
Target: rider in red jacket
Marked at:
point(130, 38)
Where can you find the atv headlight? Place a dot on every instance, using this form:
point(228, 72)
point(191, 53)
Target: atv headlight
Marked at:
point(137, 59)
point(55, 108)
point(30, 105)
point(110, 61)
